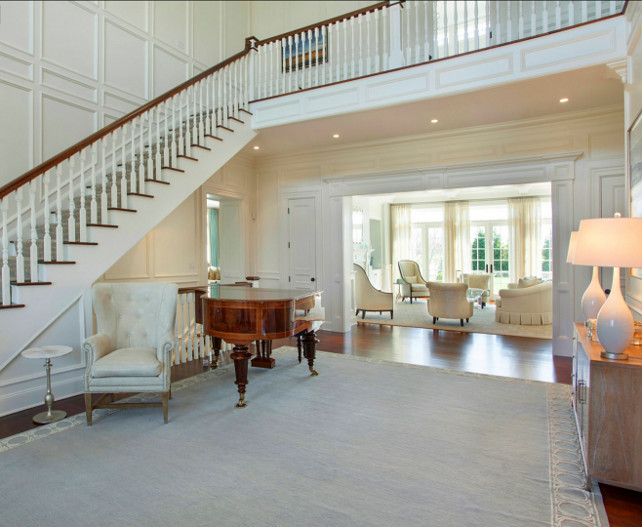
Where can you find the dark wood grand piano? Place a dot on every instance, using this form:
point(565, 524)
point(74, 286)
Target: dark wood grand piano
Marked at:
point(242, 315)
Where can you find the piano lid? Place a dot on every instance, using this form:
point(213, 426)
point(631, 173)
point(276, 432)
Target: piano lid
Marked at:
point(257, 294)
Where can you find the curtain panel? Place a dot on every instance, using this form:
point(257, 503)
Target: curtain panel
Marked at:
point(213, 239)
point(524, 226)
point(401, 231)
point(457, 249)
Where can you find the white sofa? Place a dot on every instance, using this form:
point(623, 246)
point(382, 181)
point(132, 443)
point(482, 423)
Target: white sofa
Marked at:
point(528, 302)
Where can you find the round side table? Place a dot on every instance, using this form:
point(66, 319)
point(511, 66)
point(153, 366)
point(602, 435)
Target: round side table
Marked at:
point(48, 353)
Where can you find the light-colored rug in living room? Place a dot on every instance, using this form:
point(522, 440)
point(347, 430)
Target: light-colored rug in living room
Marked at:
point(366, 443)
point(483, 321)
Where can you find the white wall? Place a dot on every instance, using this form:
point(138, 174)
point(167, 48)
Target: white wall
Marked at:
point(540, 150)
point(69, 68)
point(269, 19)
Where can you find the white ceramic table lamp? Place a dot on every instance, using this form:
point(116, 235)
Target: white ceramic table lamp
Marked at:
point(611, 242)
point(594, 297)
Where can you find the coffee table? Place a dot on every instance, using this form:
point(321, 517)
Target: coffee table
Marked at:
point(475, 295)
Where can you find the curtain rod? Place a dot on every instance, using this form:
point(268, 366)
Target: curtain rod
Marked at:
point(469, 200)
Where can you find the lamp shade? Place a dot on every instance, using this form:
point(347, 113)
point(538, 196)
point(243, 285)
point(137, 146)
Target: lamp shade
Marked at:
point(572, 244)
point(609, 242)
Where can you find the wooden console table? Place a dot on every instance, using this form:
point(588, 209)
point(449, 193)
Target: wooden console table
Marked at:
point(607, 397)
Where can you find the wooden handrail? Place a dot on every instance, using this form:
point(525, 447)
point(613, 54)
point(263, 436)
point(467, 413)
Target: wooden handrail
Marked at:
point(57, 159)
point(351, 14)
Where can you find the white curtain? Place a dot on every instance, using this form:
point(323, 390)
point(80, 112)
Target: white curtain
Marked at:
point(524, 224)
point(401, 229)
point(457, 249)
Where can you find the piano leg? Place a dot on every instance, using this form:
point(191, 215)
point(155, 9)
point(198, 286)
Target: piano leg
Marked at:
point(241, 356)
point(216, 349)
point(309, 340)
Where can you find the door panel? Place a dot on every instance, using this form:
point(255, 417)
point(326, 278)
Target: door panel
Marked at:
point(231, 244)
point(302, 243)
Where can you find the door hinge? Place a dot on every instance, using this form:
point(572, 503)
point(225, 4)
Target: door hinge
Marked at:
point(289, 278)
point(288, 210)
point(288, 245)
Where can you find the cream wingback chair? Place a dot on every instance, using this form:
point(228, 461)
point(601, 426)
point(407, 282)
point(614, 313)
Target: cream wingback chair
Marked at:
point(413, 284)
point(448, 300)
point(132, 349)
point(367, 297)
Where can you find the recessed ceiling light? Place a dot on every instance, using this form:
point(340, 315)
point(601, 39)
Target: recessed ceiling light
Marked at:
point(433, 121)
point(564, 99)
point(256, 147)
point(336, 136)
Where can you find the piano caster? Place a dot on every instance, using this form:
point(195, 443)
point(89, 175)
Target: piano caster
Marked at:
point(241, 403)
point(313, 372)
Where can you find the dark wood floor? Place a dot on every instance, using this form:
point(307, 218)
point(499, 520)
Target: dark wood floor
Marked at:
point(490, 354)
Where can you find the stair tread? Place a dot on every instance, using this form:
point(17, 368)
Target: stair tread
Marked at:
point(10, 306)
point(121, 209)
point(102, 225)
point(79, 243)
point(57, 262)
point(140, 195)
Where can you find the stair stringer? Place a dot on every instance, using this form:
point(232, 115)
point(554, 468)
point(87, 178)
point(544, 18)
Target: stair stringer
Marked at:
point(45, 304)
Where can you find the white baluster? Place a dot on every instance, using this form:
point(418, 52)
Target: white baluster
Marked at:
point(192, 91)
point(497, 37)
point(71, 219)
point(359, 48)
point(584, 11)
point(103, 190)
point(124, 190)
point(345, 50)
point(6, 278)
point(157, 155)
point(141, 155)
point(446, 33)
point(201, 120)
point(308, 36)
point(20, 259)
point(235, 90)
point(612, 7)
point(323, 35)
point(133, 171)
point(47, 237)
point(207, 126)
point(183, 351)
point(509, 23)
point(571, 14)
point(271, 51)
point(33, 249)
point(181, 119)
point(125, 179)
point(59, 240)
point(82, 213)
point(190, 335)
point(386, 36)
point(226, 100)
point(466, 36)
point(455, 31)
point(185, 123)
point(149, 173)
point(353, 50)
point(114, 168)
point(598, 9)
point(545, 18)
point(166, 160)
point(93, 207)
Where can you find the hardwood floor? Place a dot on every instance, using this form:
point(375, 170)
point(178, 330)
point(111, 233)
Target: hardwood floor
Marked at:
point(489, 354)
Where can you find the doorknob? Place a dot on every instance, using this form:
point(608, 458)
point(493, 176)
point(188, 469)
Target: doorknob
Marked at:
point(312, 279)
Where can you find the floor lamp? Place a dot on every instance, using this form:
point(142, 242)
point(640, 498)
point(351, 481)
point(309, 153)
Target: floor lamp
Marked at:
point(594, 297)
point(611, 242)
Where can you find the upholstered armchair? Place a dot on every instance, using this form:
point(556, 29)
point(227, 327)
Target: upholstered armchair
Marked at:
point(412, 284)
point(528, 302)
point(367, 297)
point(479, 281)
point(131, 351)
point(448, 300)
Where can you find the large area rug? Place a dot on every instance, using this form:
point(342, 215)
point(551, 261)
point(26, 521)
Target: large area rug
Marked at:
point(483, 321)
point(366, 443)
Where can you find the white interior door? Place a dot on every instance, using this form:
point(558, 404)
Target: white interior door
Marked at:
point(302, 272)
point(231, 242)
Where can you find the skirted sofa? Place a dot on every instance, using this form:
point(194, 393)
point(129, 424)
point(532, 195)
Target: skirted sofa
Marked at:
point(528, 302)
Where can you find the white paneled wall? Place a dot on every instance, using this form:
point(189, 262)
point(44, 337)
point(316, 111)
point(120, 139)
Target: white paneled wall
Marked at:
point(69, 68)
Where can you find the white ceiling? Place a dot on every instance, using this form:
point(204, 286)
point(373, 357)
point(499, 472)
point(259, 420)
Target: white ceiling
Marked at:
point(586, 89)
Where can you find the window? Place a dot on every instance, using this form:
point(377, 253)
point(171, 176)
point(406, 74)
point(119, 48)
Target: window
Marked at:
point(427, 240)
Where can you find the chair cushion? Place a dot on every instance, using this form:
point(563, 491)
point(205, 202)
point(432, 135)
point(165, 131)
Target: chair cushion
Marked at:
point(410, 279)
point(419, 287)
point(128, 362)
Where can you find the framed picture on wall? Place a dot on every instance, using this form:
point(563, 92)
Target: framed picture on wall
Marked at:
point(635, 159)
point(306, 50)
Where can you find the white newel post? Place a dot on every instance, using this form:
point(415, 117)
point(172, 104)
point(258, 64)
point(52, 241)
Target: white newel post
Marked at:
point(6, 297)
point(396, 58)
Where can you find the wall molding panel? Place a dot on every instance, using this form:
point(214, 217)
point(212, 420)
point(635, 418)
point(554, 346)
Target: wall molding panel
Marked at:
point(102, 57)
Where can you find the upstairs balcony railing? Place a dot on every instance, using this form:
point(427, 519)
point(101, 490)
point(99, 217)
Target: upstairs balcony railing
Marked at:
point(53, 204)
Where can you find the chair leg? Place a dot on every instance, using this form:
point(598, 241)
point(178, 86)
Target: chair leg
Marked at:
point(363, 314)
point(356, 314)
point(391, 314)
point(165, 397)
point(461, 321)
point(434, 320)
point(88, 409)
